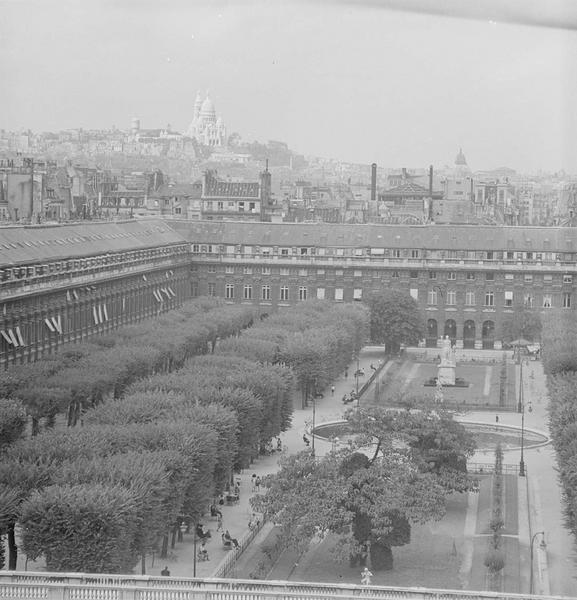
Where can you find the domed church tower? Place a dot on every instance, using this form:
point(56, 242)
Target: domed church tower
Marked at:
point(206, 127)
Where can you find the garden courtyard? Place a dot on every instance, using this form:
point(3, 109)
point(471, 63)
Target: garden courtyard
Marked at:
point(448, 553)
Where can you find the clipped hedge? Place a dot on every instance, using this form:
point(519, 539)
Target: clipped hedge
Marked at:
point(559, 354)
point(89, 527)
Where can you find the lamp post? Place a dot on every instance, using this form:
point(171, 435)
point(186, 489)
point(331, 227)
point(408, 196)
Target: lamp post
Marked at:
point(193, 548)
point(543, 545)
point(521, 408)
point(313, 426)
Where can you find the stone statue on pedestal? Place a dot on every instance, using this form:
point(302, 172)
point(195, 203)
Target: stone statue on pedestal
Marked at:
point(448, 364)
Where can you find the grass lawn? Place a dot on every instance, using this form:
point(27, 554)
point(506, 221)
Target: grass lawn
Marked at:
point(483, 390)
point(432, 559)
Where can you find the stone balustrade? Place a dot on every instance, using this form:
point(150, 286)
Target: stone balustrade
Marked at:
point(16, 585)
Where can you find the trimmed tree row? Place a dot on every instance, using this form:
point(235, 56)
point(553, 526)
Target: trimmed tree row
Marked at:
point(559, 353)
point(153, 452)
point(82, 375)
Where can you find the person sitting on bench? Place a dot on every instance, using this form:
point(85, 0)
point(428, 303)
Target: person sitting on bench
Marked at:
point(202, 532)
point(227, 539)
point(214, 512)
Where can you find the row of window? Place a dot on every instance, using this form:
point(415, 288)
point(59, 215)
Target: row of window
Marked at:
point(396, 253)
point(283, 293)
point(264, 294)
point(433, 275)
point(237, 206)
point(489, 298)
point(88, 264)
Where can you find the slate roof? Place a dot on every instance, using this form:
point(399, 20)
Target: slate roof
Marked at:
point(433, 237)
point(228, 189)
point(34, 243)
point(193, 190)
point(409, 188)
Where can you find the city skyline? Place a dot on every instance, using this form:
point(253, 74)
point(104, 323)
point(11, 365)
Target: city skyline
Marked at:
point(339, 80)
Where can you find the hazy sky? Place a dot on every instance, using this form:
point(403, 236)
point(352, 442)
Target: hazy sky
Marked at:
point(348, 80)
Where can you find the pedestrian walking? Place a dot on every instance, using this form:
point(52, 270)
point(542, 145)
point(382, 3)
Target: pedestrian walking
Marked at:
point(306, 440)
point(257, 484)
point(332, 390)
point(219, 523)
point(496, 418)
point(253, 479)
point(366, 576)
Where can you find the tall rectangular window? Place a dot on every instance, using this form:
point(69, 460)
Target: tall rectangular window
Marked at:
point(451, 297)
point(229, 291)
point(470, 298)
point(566, 300)
point(339, 294)
point(266, 270)
point(247, 292)
point(212, 289)
point(529, 300)
point(229, 269)
point(265, 292)
point(284, 293)
point(321, 293)
point(508, 298)
point(302, 292)
point(247, 270)
point(432, 297)
point(414, 293)
point(451, 276)
point(358, 294)
point(547, 301)
point(489, 298)
point(302, 272)
point(396, 253)
point(432, 274)
point(284, 272)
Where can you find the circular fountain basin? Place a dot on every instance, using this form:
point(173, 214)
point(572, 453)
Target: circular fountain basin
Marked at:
point(487, 435)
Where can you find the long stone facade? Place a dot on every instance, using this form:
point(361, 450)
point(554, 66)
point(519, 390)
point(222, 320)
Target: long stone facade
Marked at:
point(67, 282)
point(466, 280)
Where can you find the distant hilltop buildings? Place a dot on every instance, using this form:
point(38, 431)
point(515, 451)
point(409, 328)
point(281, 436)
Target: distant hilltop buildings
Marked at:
point(81, 174)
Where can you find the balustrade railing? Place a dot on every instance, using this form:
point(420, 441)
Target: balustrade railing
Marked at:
point(79, 586)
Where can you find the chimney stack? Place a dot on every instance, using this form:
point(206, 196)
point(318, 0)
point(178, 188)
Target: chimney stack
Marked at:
point(374, 182)
point(431, 209)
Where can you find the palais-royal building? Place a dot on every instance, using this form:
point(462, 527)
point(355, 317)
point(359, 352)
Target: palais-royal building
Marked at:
point(63, 283)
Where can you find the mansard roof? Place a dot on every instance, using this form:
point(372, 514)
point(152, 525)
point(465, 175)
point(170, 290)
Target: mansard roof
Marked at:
point(228, 189)
point(37, 243)
point(432, 237)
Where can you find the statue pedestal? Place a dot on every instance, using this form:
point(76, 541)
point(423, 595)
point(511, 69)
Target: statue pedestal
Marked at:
point(446, 374)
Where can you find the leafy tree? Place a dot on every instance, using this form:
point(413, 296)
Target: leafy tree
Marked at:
point(12, 421)
point(524, 323)
point(395, 320)
point(148, 476)
point(398, 471)
point(18, 478)
point(89, 527)
point(9, 505)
